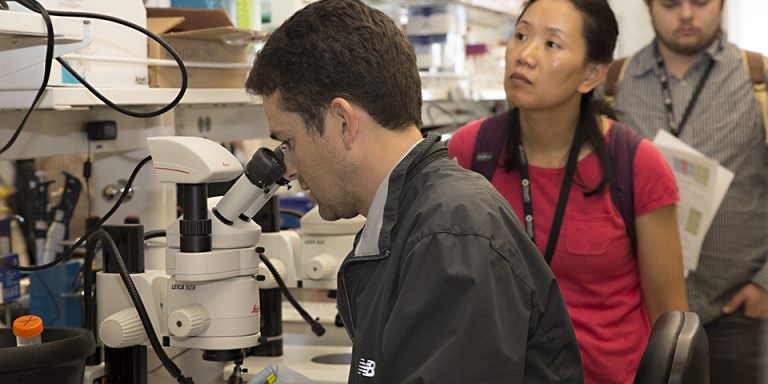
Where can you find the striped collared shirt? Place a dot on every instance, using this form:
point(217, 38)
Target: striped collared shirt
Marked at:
point(725, 125)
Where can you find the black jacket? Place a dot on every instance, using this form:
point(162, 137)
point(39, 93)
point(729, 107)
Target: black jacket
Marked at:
point(457, 293)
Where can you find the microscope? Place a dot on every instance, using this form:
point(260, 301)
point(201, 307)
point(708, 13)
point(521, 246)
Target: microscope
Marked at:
point(324, 244)
point(208, 296)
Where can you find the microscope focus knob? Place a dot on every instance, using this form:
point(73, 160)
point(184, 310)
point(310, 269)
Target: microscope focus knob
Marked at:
point(122, 329)
point(270, 281)
point(191, 320)
point(321, 267)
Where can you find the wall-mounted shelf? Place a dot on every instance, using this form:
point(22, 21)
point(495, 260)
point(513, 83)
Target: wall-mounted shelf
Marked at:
point(507, 7)
point(78, 97)
point(16, 27)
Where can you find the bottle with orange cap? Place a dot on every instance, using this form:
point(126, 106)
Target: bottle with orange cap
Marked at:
point(28, 330)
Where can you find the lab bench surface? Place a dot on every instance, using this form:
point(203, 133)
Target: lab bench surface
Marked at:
point(300, 359)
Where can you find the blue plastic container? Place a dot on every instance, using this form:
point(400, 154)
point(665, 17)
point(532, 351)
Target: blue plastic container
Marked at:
point(230, 6)
point(54, 297)
point(292, 207)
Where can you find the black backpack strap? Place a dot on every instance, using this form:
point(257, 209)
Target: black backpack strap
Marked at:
point(623, 143)
point(490, 139)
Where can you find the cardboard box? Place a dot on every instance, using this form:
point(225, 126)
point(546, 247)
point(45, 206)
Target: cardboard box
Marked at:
point(198, 35)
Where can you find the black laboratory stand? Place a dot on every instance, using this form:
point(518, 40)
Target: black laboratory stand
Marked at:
point(271, 300)
point(126, 365)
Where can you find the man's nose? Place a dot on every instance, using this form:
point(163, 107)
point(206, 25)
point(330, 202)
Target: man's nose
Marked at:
point(686, 10)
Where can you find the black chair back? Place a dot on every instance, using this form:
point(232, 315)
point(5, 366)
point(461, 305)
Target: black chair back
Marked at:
point(677, 351)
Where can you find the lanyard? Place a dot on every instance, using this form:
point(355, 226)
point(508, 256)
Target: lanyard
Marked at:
point(565, 189)
point(677, 128)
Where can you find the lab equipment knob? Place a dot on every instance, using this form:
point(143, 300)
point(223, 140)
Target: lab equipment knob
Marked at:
point(113, 191)
point(321, 267)
point(270, 281)
point(122, 329)
point(191, 320)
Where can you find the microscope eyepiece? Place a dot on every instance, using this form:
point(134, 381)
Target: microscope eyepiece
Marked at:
point(265, 168)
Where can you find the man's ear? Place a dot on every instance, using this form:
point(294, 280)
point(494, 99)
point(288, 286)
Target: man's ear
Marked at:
point(345, 115)
point(595, 75)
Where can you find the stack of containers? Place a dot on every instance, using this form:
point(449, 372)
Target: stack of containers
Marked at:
point(437, 33)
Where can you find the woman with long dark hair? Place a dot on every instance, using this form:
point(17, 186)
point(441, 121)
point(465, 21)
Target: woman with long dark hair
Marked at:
point(619, 265)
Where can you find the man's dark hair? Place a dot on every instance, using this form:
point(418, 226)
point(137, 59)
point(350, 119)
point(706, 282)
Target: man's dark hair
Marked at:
point(340, 48)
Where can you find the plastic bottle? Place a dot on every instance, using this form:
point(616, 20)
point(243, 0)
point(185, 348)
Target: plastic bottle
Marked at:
point(249, 14)
point(28, 330)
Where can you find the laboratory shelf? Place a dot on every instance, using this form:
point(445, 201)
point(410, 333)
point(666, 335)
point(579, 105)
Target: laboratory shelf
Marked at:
point(66, 98)
point(77, 97)
point(505, 7)
point(16, 25)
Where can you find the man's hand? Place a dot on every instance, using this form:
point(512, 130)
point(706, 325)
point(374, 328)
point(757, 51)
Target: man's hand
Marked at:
point(754, 300)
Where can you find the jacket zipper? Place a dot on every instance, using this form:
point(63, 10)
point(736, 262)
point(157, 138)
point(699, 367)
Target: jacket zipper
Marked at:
point(351, 328)
point(346, 291)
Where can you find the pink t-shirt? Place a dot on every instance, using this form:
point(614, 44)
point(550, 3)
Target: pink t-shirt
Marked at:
point(593, 260)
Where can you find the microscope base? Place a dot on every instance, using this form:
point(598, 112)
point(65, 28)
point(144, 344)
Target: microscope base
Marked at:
point(299, 358)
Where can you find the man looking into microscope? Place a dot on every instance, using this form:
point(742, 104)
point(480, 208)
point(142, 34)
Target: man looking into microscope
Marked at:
point(442, 284)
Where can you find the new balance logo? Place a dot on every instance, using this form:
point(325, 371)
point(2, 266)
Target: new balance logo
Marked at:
point(366, 368)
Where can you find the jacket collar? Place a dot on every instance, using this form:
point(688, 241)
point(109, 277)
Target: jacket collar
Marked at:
point(375, 237)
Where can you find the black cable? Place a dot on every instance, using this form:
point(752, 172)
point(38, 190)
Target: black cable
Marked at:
point(112, 250)
point(153, 234)
point(50, 295)
point(82, 269)
point(87, 266)
point(88, 15)
point(119, 108)
point(317, 328)
point(87, 176)
point(96, 227)
point(176, 356)
point(89, 295)
point(36, 7)
point(292, 212)
point(89, 292)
